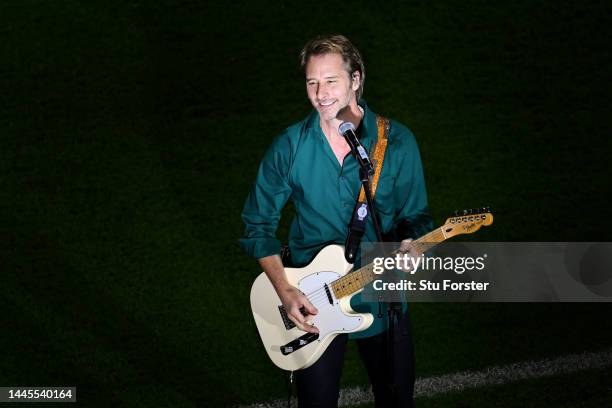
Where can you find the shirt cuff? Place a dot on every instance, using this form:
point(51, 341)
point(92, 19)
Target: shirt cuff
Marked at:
point(260, 247)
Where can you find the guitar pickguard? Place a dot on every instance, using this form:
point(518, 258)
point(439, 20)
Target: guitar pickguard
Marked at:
point(330, 317)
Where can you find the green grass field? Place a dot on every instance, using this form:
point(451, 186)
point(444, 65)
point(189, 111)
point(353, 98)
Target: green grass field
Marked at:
point(130, 135)
point(588, 389)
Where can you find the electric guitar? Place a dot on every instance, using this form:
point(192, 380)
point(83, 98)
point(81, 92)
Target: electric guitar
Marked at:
point(329, 286)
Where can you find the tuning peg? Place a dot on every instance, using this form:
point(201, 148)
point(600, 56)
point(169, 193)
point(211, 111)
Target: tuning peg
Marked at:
point(456, 214)
point(465, 212)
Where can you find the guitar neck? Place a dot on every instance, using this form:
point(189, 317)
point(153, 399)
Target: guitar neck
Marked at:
point(357, 280)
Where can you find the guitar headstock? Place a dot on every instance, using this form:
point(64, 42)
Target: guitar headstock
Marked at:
point(467, 221)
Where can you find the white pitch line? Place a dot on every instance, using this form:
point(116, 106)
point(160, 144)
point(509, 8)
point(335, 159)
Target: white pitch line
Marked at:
point(430, 386)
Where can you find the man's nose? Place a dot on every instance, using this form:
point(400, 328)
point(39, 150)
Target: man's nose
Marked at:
point(321, 91)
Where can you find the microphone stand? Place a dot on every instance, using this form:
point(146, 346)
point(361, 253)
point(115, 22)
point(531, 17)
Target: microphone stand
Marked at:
point(394, 309)
point(365, 182)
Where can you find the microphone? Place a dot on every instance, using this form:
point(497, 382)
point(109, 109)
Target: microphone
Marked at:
point(347, 130)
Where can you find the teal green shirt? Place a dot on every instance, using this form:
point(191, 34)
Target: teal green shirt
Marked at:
point(300, 165)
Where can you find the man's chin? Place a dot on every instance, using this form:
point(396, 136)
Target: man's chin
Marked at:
point(328, 116)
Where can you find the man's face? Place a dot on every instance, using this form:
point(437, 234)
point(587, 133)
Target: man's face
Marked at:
point(329, 86)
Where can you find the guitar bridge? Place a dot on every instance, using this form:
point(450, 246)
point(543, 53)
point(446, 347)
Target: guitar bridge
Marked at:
point(286, 321)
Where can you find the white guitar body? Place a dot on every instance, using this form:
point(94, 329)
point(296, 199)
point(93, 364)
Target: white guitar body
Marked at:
point(289, 347)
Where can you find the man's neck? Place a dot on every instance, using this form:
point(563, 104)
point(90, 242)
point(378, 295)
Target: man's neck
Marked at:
point(353, 114)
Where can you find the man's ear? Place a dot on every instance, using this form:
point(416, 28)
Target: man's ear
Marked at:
point(355, 80)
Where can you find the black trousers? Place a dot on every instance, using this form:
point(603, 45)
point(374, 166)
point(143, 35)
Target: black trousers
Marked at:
point(319, 385)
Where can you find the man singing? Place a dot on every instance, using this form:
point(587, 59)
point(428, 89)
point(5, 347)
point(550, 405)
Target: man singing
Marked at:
point(310, 162)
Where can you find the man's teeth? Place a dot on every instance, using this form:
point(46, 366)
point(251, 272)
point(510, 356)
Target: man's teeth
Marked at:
point(327, 103)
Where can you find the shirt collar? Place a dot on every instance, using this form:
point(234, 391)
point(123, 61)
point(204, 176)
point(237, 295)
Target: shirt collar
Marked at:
point(367, 130)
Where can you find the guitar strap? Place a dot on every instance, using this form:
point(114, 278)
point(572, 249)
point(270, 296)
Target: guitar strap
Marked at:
point(361, 212)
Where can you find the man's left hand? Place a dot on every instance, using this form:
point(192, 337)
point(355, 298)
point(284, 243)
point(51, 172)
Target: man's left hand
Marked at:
point(406, 247)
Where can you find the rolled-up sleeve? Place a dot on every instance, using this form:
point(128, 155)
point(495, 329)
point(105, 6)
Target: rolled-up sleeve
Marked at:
point(262, 209)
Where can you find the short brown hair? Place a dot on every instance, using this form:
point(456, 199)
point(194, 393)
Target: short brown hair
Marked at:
point(338, 44)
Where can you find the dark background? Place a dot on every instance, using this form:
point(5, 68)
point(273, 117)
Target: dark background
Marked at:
point(131, 133)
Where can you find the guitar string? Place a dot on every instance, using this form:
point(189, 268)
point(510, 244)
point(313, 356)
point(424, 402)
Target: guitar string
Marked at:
point(320, 294)
point(318, 298)
point(423, 244)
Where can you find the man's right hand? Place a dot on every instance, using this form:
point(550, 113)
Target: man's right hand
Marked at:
point(292, 298)
point(295, 302)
